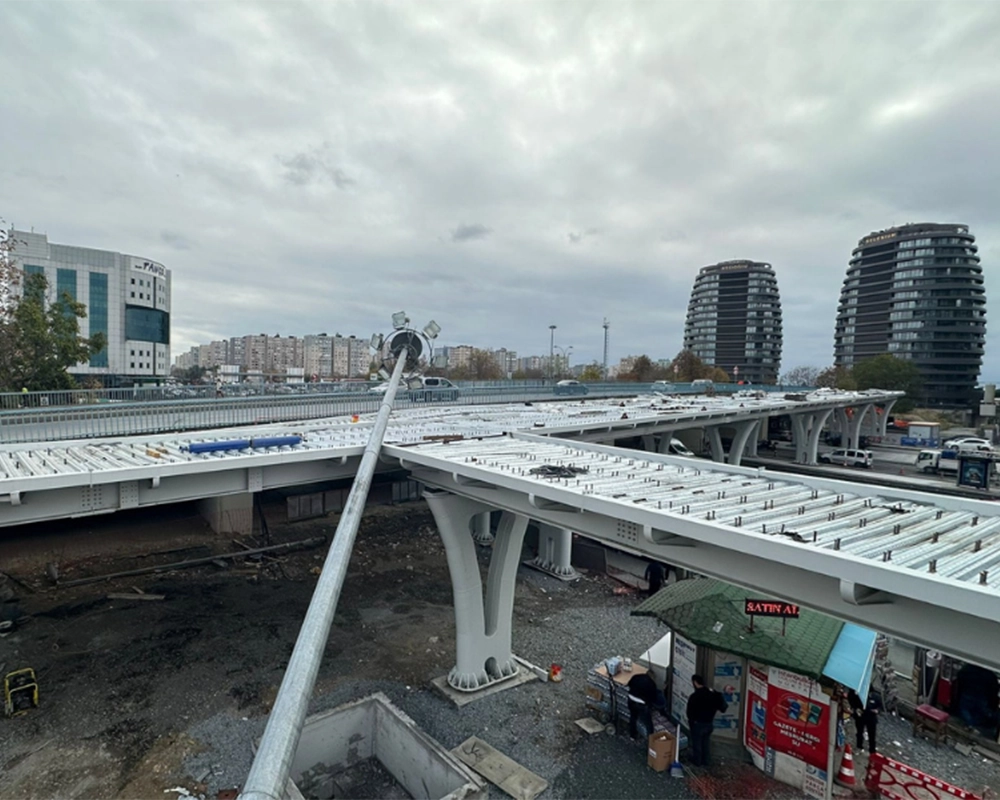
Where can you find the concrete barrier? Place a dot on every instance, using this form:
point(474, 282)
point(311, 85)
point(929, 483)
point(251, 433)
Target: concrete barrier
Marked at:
point(351, 736)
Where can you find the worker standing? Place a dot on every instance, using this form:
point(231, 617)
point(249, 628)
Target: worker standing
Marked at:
point(702, 706)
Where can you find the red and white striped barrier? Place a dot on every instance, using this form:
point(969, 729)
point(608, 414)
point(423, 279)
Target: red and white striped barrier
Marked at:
point(890, 778)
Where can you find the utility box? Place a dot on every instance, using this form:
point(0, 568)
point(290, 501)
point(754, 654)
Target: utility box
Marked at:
point(369, 737)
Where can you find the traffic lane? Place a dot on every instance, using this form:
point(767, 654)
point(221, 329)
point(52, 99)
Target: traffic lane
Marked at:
point(889, 468)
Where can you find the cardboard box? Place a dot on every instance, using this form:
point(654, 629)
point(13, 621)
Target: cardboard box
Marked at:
point(661, 751)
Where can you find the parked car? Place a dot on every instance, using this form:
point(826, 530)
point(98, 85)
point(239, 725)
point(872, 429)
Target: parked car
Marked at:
point(422, 389)
point(703, 384)
point(570, 387)
point(848, 458)
point(967, 444)
point(663, 386)
point(678, 448)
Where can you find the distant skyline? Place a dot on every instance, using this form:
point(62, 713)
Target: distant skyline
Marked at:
point(309, 167)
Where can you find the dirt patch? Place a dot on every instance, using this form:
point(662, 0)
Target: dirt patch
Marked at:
point(122, 680)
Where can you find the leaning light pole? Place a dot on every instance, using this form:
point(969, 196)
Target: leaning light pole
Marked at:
point(272, 765)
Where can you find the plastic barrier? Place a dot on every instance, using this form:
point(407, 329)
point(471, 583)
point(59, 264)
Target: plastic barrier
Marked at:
point(890, 778)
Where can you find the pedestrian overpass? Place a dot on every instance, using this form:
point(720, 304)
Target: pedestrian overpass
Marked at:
point(916, 565)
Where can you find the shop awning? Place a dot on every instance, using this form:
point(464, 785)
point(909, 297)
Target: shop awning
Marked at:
point(852, 658)
point(711, 613)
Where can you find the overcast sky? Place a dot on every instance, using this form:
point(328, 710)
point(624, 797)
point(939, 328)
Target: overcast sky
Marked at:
point(498, 167)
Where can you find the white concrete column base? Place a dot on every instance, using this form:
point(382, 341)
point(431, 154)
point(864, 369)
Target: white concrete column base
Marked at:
point(483, 622)
point(231, 513)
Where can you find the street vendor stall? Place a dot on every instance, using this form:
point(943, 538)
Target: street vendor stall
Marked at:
point(779, 667)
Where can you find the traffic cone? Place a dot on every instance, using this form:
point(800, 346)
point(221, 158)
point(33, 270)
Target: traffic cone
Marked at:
point(846, 775)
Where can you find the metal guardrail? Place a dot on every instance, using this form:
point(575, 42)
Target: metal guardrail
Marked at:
point(55, 421)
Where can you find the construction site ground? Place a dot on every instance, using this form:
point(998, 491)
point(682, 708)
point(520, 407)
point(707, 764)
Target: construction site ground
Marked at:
point(139, 697)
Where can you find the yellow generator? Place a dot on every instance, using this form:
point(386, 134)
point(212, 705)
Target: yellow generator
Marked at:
point(20, 692)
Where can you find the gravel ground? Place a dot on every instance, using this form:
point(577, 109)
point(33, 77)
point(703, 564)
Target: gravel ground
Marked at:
point(895, 739)
point(141, 697)
point(532, 723)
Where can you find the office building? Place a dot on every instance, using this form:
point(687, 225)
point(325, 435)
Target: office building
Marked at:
point(916, 292)
point(734, 320)
point(127, 299)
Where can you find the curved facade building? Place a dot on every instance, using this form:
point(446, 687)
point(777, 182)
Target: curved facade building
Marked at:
point(734, 320)
point(916, 292)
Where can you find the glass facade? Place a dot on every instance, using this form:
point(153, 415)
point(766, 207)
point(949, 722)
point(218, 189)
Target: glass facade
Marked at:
point(97, 311)
point(147, 325)
point(929, 310)
point(32, 269)
point(66, 282)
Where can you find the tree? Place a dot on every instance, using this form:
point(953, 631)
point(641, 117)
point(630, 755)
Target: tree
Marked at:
point(687, 367)
point(836, 378)
point(481, 366)
point(643, 370)
point(801, 376)
point(40, 342)
point(592, 373)
point(889, 372)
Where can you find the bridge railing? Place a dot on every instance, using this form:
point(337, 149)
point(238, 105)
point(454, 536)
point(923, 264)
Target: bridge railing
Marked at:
point(25, 418)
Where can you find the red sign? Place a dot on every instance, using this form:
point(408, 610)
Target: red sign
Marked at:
point(798, 717)
point(770, 608)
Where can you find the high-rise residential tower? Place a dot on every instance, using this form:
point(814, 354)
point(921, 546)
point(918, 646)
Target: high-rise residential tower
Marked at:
point(916, 292)
point(734, 320)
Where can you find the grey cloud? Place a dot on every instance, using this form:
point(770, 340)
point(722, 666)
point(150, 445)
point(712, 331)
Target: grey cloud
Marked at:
point(466, 233)
point(176, 240)
point(305, 168)
point(575, 237)
point(657, 138)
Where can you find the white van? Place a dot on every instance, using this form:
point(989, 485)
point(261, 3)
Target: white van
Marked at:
point(848, 458)
point(703, 383)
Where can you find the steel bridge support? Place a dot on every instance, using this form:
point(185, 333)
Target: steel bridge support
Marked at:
point(482, 623)
point(555, 550)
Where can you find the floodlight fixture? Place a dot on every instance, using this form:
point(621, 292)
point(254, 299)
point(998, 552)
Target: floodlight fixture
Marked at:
point(376, 342)
point(432, 329)
point(383, 373)
point(399, 320)
point(440, 361)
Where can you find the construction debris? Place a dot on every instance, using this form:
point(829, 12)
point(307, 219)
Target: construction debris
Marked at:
point(300, 544)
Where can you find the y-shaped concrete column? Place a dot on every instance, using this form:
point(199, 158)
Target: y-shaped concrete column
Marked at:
point(663, 442)
point(482, 625)
point(739, 443)
point(854, 427)
point(884, 421)
point(481, 533)
point(715, 441)
point(555, 550)
point(806, 430)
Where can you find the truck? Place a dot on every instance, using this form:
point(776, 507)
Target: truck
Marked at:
point(938, 461)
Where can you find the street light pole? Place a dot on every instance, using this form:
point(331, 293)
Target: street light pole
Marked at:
point(552, 347)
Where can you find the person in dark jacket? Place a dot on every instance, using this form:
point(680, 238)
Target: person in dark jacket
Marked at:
point(865, 718)
point(702, 706)
point(643, 697)
point(654, 577)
